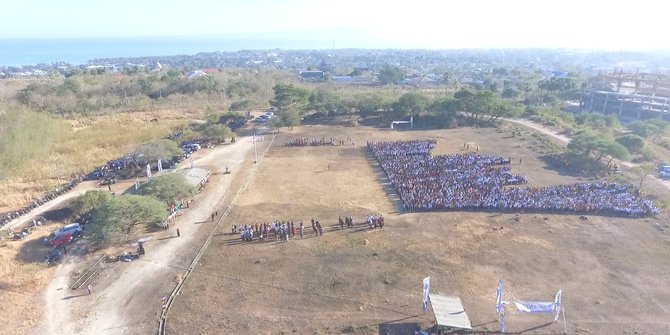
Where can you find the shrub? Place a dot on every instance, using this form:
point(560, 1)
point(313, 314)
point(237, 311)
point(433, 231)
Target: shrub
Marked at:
point(632, 142)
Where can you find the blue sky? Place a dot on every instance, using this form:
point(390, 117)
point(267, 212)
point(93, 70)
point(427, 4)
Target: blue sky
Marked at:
point(403, 24)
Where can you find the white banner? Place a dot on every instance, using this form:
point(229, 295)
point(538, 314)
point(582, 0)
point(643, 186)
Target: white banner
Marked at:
point(535, 307)
point(149, 171)
point(160, 166)
point(426, 292)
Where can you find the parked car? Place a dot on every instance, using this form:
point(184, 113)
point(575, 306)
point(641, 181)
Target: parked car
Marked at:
point(53, 256)
point(108, 181)
point(69, 229)
point(61, 240)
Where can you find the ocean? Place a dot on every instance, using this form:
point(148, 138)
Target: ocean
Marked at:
point(16, 52)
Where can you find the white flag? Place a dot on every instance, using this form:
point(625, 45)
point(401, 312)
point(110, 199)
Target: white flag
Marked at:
point(149, 171)
point(160, 166)
point(426, 292)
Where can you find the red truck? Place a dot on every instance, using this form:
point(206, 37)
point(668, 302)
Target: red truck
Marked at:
point(61, 240)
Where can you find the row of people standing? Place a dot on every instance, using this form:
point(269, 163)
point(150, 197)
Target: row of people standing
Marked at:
point(278, 230)
point(285, 230)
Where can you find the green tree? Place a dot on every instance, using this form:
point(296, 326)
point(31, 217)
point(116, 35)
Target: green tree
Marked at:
point(168, 188)
point(217, 133)
point(206, 83)
point(410, 104)
point(326, 102)
point(632, 142)
point(152, 151)
point(70, 85)
point(291, 102)
point(117, 216)
point(370, 104)
point(445, 111)
point(510, 93)
point(445, 77)
point(648, 128)
point(242, 105)
point(390, 75)
point(599, 122)
point(485, 106)
point(586, 142)
point(146, 83)
point(90, 201)
point(643, 170)
point(287, 118)
point(613, 149)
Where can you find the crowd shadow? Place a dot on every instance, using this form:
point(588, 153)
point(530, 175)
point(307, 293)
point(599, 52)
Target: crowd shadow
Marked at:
point(383, 179)
point(75, 296)
point(167, 237)
point(403, 328)
point(533, 330)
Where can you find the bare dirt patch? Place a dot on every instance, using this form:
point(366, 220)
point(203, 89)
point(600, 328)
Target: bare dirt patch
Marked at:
point(22, 274)
point(362, 280)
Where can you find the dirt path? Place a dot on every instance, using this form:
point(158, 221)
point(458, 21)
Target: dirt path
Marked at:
point(564, 140)
point(129, 303)
point(24, 220)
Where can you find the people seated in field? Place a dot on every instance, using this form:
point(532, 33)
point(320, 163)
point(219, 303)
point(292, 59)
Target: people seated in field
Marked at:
point(470, 181)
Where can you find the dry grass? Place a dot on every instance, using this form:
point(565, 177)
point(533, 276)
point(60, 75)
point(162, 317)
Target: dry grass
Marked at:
point(73, 148)
point(19, 283)
point(365, 279)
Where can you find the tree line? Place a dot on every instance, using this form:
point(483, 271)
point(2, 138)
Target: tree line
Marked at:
point(295, 104)
point(85, 94)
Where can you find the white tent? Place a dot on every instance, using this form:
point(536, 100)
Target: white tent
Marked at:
point(449, 312)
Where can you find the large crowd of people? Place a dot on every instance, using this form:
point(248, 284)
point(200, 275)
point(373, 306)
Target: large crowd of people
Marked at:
point(470, 181)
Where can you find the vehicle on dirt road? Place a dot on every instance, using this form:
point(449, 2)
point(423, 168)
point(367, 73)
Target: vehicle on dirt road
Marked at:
point(53, 256)
point(69, 229)
point(23, 233)
point(61, 240)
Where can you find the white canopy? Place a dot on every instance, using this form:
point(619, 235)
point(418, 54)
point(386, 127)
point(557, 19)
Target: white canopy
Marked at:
point(449, 312)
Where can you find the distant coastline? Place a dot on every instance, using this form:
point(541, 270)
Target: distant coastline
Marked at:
point(24, 51)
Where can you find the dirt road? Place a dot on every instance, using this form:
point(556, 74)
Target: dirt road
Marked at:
point(24, 220)
point(129, 301)
point(565, 140)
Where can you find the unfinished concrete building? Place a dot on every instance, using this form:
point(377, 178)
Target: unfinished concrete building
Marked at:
point(630, 96)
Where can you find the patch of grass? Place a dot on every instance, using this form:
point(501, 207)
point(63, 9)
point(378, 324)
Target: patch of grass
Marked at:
point(39, 152)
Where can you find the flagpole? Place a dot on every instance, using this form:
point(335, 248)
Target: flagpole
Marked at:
point(255, 152)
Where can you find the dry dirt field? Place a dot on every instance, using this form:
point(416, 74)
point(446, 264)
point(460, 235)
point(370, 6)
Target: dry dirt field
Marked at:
point(613, 271)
